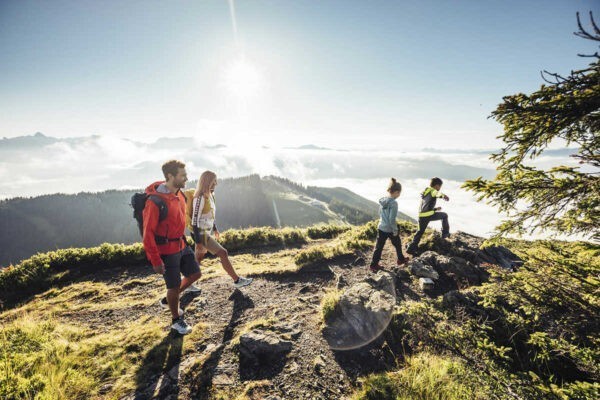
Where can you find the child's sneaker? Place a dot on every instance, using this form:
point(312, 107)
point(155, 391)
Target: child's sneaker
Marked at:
point(192, 289)
point(181, 326)
point(165, 305)
point(375, 268)
point(241, 282)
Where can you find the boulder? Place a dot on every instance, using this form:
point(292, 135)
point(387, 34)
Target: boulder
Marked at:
point(463, 272)
point(260, 346)
point(420, 268)
point(363, 312)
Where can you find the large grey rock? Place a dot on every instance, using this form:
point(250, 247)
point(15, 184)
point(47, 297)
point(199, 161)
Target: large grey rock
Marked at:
point(420, 268)
point(364, 311)
point(261, 345)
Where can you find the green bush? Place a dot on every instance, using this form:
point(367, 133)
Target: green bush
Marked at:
point(327, 231)
point(236, 240)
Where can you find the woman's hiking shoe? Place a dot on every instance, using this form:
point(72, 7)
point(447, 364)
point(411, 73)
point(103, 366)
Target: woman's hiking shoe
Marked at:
point(375, 268)
point(241, 282)
point(181, 326)
point(402, 262)
point(165, 305)
point(192, 289)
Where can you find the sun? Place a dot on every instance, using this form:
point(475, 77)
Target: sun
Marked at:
point(242, 79)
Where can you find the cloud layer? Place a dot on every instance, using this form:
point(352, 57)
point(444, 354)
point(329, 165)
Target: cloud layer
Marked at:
point(38, 164)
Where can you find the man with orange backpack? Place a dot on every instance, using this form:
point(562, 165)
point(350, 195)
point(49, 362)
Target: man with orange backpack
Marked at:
point(164, 240)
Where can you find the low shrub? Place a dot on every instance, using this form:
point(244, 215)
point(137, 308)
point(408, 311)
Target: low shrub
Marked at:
point(326, 231)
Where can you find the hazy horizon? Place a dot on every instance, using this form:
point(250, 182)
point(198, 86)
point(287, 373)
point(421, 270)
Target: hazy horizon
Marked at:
point(97, 163)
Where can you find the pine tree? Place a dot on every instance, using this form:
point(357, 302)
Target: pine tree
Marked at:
point(561, 199)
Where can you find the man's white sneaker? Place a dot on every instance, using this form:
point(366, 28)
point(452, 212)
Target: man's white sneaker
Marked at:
point(181, 326)
point(165, 305)
point(192, 289)
point(241, 282)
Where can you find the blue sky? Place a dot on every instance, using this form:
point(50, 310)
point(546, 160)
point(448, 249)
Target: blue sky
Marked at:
point(395, 74)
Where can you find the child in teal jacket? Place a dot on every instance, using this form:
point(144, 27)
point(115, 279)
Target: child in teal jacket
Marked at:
point(388, 228)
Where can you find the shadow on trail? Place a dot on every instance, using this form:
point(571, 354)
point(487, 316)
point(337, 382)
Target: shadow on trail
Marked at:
point(150, 378)
point(241, 302)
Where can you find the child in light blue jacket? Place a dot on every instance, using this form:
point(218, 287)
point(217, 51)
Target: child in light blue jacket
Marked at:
point(388, 228)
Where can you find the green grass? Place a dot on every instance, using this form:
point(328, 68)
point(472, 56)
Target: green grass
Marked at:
point(236, 240)
point(326, 231)
point(329, 303)
point(45, 270)
point(355, 239)
point(425, 377)
point(43, 358)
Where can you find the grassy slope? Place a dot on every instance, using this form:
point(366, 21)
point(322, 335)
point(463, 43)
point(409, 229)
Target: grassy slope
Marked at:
point(532, 333)
point(58, 344)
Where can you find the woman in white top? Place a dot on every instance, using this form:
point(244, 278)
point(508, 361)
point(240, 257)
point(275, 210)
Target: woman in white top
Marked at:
point(205, 229)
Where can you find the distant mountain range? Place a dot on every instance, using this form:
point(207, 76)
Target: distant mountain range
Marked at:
point(48, 222)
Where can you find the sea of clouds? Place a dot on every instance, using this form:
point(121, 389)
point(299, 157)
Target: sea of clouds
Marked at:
point(36, 165)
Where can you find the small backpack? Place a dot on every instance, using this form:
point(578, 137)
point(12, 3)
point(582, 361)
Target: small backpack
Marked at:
point(189, 209)
point(138, 203)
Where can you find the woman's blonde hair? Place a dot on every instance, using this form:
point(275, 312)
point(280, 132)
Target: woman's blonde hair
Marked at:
point(204, 182)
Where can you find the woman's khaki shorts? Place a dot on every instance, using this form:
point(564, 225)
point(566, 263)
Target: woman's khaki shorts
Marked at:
point(210, 244)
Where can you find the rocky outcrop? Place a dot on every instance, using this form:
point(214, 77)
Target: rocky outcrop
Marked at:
point(464, 272)
point(469, 247)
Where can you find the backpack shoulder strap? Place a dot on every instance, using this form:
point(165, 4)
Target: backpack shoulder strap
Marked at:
point(162, 206)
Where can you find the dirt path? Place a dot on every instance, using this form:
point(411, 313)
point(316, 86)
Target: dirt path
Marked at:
point(293, 299)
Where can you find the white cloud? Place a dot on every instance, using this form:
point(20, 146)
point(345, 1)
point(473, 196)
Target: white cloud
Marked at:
point(100, 163)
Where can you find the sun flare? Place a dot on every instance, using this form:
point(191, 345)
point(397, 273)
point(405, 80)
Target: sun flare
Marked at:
point(243, 79)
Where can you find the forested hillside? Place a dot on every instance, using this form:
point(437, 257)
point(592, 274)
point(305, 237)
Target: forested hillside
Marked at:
point(49, 222)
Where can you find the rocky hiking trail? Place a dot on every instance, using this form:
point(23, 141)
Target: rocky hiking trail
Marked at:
point(268, 340)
